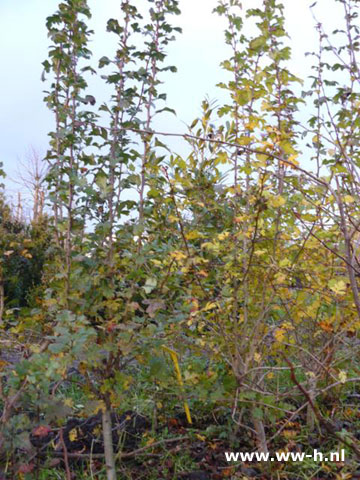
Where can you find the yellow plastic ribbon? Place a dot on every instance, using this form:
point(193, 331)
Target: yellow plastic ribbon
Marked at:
point(174, 358)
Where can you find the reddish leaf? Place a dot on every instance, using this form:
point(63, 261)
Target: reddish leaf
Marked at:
point(41, 431)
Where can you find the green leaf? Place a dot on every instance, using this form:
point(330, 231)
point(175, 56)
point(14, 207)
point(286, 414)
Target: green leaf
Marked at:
point(258, 43)
point(257, 413)
point(104, 61)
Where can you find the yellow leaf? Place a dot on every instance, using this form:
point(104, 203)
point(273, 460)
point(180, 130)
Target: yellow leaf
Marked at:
point(178, 255)
point(156, 262)
point(209, 306)
point(279, 334)
point(287, 326)
point(73, 435)
point(99, 407)
point(342, 376)
point(223, 235)
point(288, 148)
point(285, 262)
point(262, 159)
point(222, 158)
point(259, 252)
point(276, 201)
point(348, 199)
point(69, 402)
point(251, 125)
point(280, 278)
point(244, 140)
point(214, 246)
point(192, 235)
point(292, 159)
point(200, 437)
point(338, 287)
point(257, 357)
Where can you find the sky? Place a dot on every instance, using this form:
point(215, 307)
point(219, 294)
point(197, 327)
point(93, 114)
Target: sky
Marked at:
point(197, 53)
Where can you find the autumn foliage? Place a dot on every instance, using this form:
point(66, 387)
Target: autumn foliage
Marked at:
point(223, 282)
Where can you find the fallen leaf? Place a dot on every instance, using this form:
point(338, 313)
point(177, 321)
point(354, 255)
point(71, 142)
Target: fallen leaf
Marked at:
point(41, 431)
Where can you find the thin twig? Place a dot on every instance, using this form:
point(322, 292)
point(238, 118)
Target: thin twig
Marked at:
point(134, 453)
point(65, 454)
point(328, 425)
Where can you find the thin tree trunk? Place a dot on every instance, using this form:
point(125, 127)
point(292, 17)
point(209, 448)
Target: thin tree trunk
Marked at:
point(260, 435)
point(37, 201)
point(310, 415)
point(108, 444)
point(2, 300)
point(348, 251)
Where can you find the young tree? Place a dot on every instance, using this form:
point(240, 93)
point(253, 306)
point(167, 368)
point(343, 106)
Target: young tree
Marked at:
point(107, 262)
point(31, 175)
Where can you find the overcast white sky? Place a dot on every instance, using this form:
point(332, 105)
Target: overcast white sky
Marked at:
point(24, 118)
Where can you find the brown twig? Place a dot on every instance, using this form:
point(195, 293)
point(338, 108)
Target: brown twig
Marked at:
point(246, 149)
point(328, 425)
point(65, 455)
point(10, 402)
point(134, 453)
